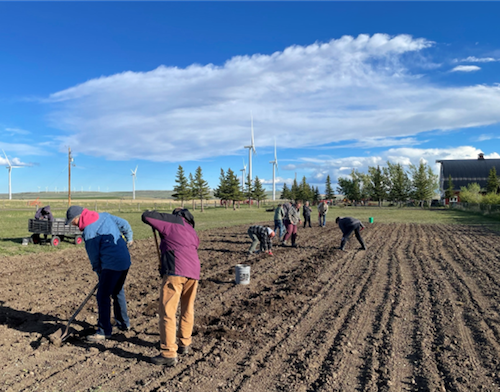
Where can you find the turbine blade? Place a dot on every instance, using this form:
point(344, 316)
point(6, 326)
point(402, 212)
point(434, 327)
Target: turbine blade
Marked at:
point(8, 162)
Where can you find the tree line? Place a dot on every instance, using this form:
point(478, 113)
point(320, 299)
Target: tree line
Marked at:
point(392, 183)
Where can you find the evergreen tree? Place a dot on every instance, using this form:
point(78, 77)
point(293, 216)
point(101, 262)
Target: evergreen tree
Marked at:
point(294, 191)
point(181, 190)
point(398, 183)
point(249, 191)
point(191, 190)
point(259, 192)
point(424, 182)
point(233, 187)
point(329, 195)
point(450, 191)
point(201, 188)
point(222, 191)
point(305, 192)
point(316, 196)
point(285, 193)
point(493, 181)
point(377, 185)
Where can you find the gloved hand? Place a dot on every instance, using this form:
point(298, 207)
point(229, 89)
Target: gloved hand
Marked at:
point(130, 243)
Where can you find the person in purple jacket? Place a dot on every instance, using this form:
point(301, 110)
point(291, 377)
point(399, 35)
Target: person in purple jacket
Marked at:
point(180, 272)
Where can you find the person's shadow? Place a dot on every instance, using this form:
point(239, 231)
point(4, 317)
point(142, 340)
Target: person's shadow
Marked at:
point(46, 325)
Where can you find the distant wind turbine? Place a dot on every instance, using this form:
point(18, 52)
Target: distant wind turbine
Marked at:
point(244, 170)
point(250, 149)
point(10, 166)
point(275, 168)
point(134, 175)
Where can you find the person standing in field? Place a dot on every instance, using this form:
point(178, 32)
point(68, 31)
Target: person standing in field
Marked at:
point(322, 211)
point(279, 214)
point(261, 235)
point(348, 225)
point(110, 258)
point(306, 213)
point(180, 272)
point(291, 220)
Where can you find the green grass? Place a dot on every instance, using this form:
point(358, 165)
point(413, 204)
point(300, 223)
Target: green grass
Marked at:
point(14, 222)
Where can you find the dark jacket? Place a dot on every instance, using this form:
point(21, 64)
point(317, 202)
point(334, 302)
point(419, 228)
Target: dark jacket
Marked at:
point(306, 211)
point(263, 235)
point(348, 224)
point(44, 213)
point(179, 244)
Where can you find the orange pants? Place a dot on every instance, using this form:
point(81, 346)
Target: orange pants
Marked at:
point(173, 289)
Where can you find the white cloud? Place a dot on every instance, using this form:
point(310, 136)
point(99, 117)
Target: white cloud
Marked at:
point(466, 68)
point(319, 168)
point(349, 88)
point(377, 142)
point(16, 131)
point(24, 149)
point(473, 59)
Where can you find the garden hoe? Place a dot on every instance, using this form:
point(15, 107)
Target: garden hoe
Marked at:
point(60, 336)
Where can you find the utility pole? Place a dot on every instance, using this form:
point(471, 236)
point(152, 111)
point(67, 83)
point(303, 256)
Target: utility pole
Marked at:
point(70, 160)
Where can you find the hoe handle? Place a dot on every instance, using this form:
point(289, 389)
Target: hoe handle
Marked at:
point(83, 304)
point(157, 250)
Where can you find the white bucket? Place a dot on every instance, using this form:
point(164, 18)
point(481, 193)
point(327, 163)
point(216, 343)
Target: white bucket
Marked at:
point(242, 274)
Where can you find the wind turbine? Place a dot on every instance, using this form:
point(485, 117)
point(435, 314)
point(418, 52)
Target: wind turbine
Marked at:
point(244, 170)
point(250, 149)
point(134, 175)
point(275, 168)
point(9, 166)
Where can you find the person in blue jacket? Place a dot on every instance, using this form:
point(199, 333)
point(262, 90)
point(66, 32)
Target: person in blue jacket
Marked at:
point(109, 256)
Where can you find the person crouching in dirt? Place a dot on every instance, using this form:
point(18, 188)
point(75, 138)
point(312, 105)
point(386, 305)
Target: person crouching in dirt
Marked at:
point(110, 258)
point(322, 211)
point(261, 235)
point(292, 219)
point(180, 272)
point(349, 225)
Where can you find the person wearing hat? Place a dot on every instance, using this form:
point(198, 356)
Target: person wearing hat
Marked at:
point(261, 235)
point(108, 253)
point(349, 225)
point(180, 272)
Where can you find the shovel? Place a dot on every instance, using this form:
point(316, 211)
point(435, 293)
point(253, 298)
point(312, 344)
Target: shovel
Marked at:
point(60, 336)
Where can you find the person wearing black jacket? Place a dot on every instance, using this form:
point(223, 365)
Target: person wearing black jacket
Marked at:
point(349, 225)
point(306, 213)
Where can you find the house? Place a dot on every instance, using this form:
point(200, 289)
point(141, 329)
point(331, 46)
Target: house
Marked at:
point(464, 172)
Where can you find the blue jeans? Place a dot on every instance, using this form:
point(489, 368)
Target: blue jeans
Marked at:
point(278, 224)
point(111, 286)
point(324, 220)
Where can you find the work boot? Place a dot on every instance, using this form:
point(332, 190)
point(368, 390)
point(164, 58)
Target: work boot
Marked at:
point(284, 243)
point(97, 338)
point(294, 245)
point(183, 350)
point(161, 360)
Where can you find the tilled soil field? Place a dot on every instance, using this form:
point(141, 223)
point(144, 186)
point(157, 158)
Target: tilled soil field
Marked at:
point(418, 311)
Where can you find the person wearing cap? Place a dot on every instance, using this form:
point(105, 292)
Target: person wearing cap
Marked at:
point(261, 235)
point(108, 253)
point(180, 272)
point(349, 225)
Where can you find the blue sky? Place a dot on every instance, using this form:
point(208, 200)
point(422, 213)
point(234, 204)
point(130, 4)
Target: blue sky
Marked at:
point(338, 85)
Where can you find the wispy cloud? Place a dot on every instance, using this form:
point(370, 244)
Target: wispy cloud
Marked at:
point(483, 138)
point(16, 131)
point(23, 149)
point(377, 142)
point(350, 88)
point(473, 59)
point(466, 68)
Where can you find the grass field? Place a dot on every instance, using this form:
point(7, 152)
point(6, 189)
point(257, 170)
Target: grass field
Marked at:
point(14, 219)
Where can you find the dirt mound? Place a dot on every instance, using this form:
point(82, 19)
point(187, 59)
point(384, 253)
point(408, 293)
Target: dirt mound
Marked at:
point(417, 311)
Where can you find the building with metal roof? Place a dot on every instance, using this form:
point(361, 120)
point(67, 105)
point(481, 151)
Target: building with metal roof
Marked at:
point(466, 171)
